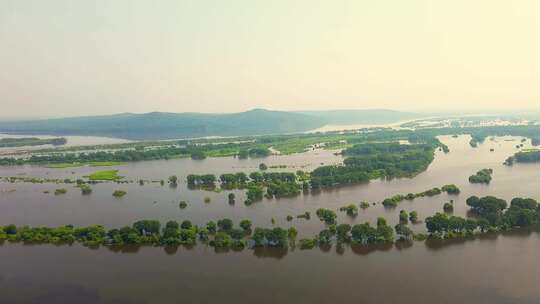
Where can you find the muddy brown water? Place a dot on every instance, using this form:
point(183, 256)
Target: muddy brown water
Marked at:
point(491, 269)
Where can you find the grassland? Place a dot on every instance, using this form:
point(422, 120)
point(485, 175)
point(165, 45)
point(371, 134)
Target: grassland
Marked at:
point(106, 175)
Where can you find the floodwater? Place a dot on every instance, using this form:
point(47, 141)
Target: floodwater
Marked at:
point(352, 127)
point(72, 141)
point(490, 269)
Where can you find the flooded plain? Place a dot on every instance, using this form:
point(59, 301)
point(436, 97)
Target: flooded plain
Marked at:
point(71, 141)
point(491, 269)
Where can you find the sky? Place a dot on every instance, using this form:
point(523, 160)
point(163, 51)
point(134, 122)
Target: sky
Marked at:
point(68, 58)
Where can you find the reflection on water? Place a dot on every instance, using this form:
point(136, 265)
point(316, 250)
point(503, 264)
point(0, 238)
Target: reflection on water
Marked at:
point(485, 269)
point(353, 127)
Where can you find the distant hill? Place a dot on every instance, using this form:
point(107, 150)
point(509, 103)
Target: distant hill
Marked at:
point(349, 117)
point(159, 125)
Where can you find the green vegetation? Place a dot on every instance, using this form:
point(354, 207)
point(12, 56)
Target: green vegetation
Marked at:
point(450, 189)
point(278, 184)
point(206, 180)
point(182, 205)
point(105, 163)
point(231, 197)
point(228, 181)
point(448, 207)
point(60, 191)
point(253, 152)
point(31, 141)
point(306, 215)
point(488, 207)
point(326, 215)
point(254, 194)
point(246, 226)
point(481, 177)
point(492, 215)
point(392, 202)
point(173, 180)
point(282, 184)
point(150, 232)
point(413, 217)
point(365, 234)
point(64, 165)
point(306, 244)
point(119, 193)
point(151, 150)
point(98, 158)
point(351, 209)
point(286, 144)
point(377, 160)
point(38, 180)
point(85, 189)
point(198, 155)
point(77, 164)
point(282, 189)
point(106, 175)
point(528, 156)
point(403, 217)
point(404, 232)
point(364, 205)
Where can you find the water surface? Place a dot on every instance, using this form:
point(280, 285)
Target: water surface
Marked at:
point(491, 269)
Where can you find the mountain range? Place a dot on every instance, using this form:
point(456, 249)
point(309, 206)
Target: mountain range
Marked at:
point(162, 125)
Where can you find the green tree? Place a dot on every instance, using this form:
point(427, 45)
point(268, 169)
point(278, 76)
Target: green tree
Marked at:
point(246, 225)
point(413, 217)
point(211, 227)
point(403, 217)
point(403, 231)
point(225, 224)
point(343, 232)
point(326, 215)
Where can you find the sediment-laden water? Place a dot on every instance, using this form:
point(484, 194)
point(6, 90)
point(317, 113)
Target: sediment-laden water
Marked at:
point(491, 269)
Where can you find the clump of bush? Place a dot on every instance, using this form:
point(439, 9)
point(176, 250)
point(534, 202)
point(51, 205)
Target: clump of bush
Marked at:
point(119, 193)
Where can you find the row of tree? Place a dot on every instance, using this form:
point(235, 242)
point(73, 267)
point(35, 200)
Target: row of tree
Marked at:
point(220, 234)
point(491, 214)
point(138, 153)
point(392, 202)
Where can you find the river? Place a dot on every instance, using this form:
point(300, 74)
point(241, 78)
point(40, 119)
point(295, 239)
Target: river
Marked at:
point(491, 269)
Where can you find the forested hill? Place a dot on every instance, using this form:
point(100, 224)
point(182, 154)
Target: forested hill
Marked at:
point(160, 125)
point(375, 116)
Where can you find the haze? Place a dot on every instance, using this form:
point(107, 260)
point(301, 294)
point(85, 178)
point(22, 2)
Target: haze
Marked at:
point(64, 58)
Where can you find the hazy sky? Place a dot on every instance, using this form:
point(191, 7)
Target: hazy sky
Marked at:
point(61, 58)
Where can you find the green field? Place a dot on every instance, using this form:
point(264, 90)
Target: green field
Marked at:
point(106, 175)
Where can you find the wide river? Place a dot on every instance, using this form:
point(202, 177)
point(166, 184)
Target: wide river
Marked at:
point(491, 269)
